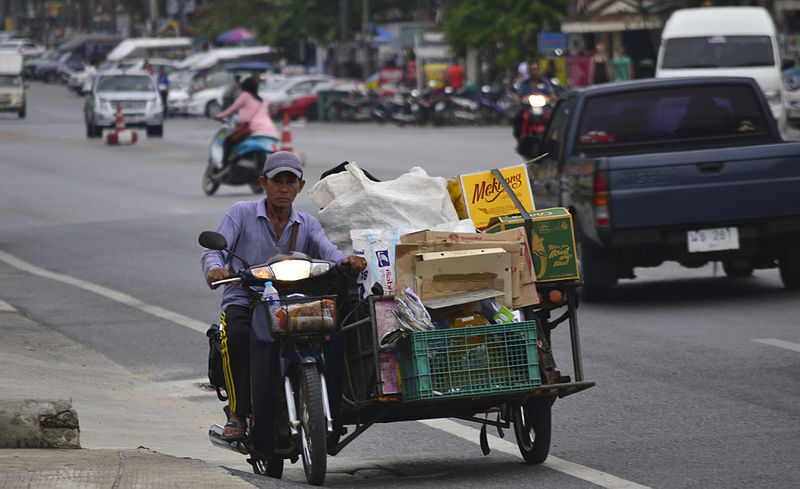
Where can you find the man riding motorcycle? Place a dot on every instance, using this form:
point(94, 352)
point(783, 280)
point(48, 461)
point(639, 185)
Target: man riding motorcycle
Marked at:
point(537, 96)
point(256, 231)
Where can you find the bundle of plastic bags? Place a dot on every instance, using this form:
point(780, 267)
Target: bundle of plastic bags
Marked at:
point(349, 200)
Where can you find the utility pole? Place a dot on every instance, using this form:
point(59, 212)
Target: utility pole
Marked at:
point(181, 17)
point(365, 36)
point(153, 17)
point(344, 20)
point(113, 16)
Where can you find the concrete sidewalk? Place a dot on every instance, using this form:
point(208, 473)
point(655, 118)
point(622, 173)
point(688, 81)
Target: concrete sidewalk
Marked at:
point(134, 433)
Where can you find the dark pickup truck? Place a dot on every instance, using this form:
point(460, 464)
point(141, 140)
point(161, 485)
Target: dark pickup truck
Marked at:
point(692, 170)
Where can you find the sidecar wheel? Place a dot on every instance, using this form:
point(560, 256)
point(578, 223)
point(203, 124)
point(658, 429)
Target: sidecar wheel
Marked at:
point(313, 425)
point(532, 427)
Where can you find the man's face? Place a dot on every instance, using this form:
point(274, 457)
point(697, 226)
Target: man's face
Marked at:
point(281, 189)
point(533, 70)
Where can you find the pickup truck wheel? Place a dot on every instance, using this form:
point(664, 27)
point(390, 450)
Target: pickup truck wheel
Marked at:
point(737, 268)
point(789, 266)
point(593, 272)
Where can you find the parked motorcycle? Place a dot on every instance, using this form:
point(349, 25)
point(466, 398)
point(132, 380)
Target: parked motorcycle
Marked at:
point(494, 105)
point(452, 109)
point(357, 109)
point(298, 322)
point(246, 160)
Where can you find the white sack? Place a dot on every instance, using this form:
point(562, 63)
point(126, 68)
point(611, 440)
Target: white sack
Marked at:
point(377, 247)
point(349, 200)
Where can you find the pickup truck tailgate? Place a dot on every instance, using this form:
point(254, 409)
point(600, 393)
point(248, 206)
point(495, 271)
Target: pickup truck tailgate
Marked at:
point(704, 186)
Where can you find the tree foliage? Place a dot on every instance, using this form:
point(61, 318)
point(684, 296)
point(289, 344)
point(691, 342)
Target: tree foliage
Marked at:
point(505, 27)
point(284, 23)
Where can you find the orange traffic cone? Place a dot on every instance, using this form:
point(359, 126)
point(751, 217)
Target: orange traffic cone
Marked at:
point(120, 135)
point(120, 125)
point(286, 134)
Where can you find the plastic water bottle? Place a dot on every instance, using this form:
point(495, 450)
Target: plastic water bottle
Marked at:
point(271, 297)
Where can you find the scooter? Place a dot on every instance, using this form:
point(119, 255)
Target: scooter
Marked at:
point(246, 160)
point(298, 322)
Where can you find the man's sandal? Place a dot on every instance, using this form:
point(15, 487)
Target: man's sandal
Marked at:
point(234, 431)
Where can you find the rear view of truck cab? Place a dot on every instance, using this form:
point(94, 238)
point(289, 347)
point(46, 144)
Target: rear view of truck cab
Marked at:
point(725, 41)
point(12, 86)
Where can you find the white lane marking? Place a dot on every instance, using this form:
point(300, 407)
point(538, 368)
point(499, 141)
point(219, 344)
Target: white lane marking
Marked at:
point(779, 343)
point(470, 434)
point(588, 474)
point(106, 292)
point(6, 307)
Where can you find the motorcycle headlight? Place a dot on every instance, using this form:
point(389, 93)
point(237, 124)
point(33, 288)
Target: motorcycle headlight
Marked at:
point(537, 100)
point(290, 270)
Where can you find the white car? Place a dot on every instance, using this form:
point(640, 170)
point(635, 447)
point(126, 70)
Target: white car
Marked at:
point(134, 92)
point(28, 48)
point(791, 96)
point(281, 91)
point(207, 91)
point(180, 91)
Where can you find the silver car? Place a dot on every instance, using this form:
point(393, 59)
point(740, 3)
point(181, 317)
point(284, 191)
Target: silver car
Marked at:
point(134, 92)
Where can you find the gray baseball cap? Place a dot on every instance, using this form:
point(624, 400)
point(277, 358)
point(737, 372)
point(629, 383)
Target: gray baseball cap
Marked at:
point(282, 161)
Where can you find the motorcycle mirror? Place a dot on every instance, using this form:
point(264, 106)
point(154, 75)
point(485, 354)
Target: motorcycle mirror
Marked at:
point(212, 240)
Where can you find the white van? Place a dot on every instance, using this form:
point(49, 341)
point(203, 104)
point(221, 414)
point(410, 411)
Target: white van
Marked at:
point(12, 86)
point(725, 41)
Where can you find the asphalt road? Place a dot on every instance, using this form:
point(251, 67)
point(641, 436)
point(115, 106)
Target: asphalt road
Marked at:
point(698, 375)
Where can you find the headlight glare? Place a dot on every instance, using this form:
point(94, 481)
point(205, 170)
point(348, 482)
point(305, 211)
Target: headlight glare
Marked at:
point(291, 270)
point(537, 100)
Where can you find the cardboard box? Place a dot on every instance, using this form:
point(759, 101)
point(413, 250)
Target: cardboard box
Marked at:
point(523, 288)
point(552, 242)
point(479, 196)
point(446, 273)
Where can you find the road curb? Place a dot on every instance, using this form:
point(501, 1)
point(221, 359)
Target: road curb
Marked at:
point(38, 424)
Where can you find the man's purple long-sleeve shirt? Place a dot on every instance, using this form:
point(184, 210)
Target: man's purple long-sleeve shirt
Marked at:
point(250, 235)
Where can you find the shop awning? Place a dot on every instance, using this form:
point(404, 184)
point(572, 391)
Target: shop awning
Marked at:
point(613, 16)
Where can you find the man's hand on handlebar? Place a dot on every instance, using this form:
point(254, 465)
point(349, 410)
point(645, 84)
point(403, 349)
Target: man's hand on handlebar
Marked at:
point(355, 262)
point(216, 274)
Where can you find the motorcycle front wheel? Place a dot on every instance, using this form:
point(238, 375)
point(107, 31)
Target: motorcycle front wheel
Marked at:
point(209, 185)
point(313, 425)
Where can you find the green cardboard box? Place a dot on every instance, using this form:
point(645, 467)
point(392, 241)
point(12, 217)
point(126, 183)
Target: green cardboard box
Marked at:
point(552, 242)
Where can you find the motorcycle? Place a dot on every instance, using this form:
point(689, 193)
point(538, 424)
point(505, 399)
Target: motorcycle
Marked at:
point(300, 323)
point(246, 160)
point(355, 108)
point(531, 122)
point(452, 108)
point(493, 106)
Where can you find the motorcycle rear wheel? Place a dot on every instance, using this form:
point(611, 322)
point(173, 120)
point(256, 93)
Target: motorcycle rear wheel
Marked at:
point(313, 424)
point(209, 185)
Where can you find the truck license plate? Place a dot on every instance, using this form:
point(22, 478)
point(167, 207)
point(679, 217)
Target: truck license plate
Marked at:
point(717, 239)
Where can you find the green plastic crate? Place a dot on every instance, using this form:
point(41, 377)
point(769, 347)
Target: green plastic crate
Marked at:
point(464, 362)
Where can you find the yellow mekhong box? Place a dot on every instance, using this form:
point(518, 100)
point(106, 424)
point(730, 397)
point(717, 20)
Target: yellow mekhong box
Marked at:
point(480, 197)
point(552, 242)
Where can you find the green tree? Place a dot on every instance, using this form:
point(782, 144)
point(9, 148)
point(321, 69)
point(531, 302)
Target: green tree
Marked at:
point(503, 27)
point(284, 23)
